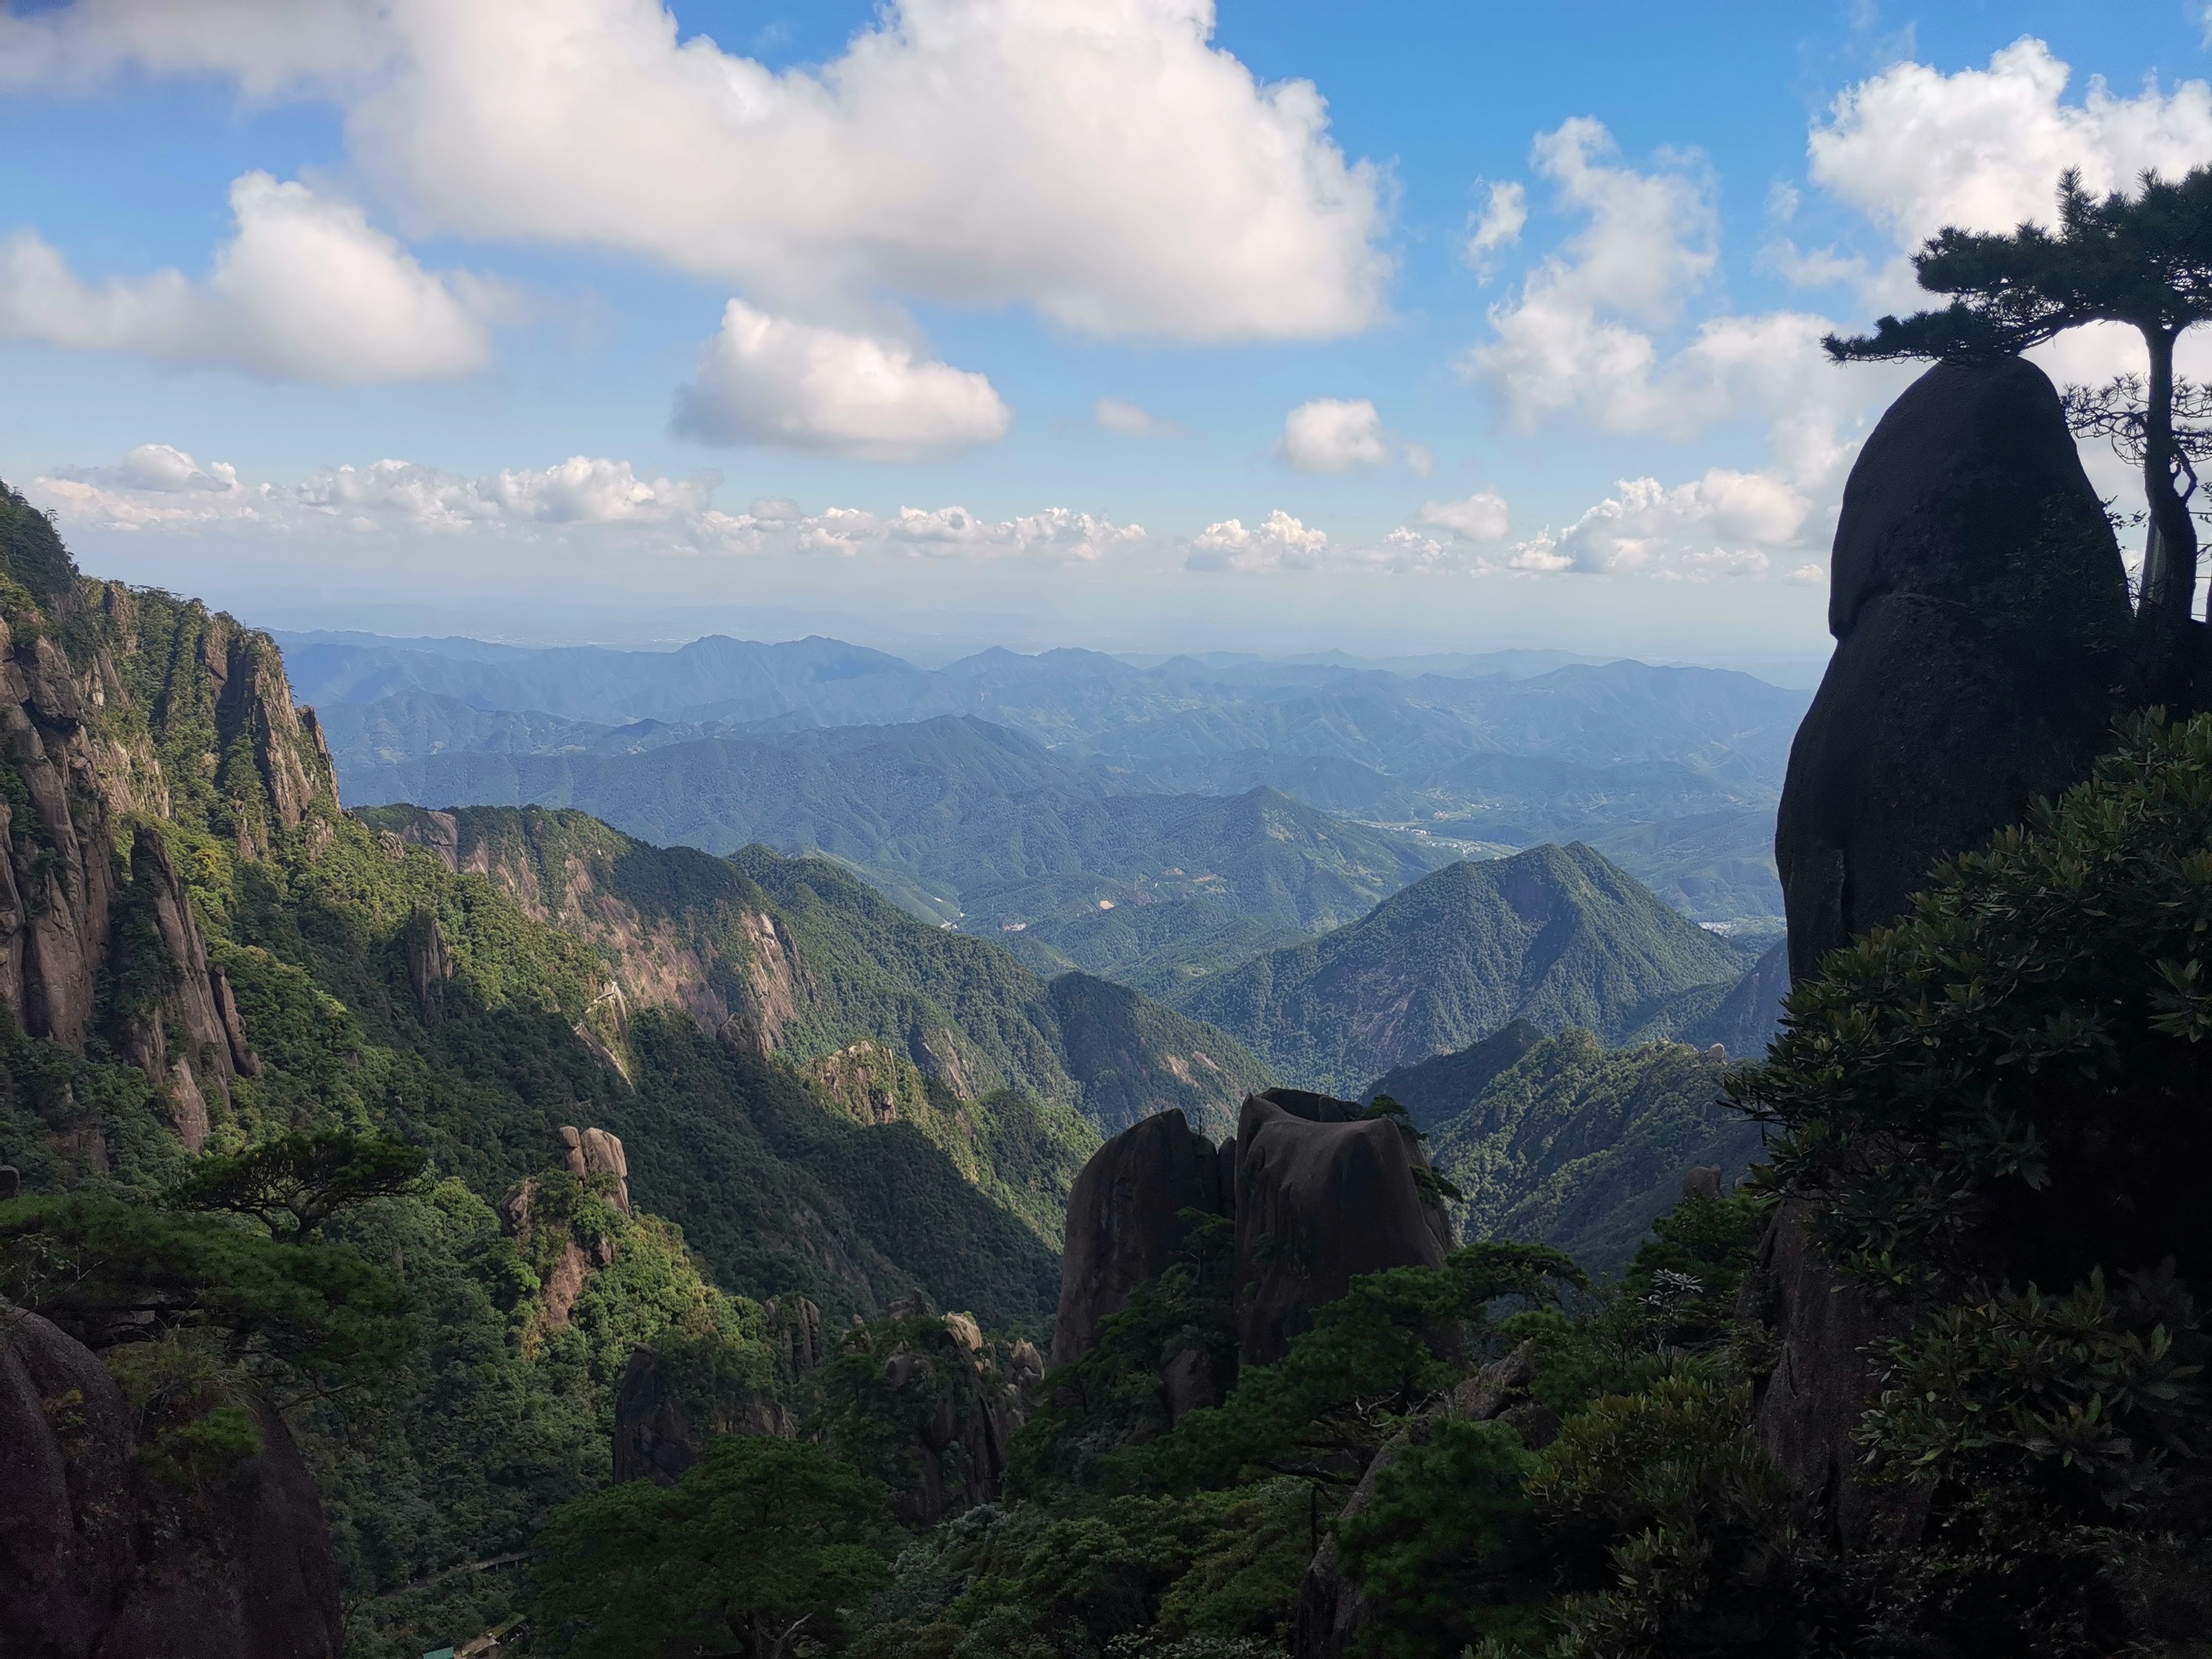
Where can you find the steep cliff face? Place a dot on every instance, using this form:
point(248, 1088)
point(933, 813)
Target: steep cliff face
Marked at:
point(126, 718)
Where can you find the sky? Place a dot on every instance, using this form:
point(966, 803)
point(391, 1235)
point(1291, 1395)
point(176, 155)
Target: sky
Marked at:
point(1138, 324)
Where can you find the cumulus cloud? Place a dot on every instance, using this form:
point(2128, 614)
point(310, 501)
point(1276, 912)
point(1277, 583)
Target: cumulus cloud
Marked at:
point(1480, 518)
point(765, 379)
point(157, 488)
point(1724, 523)
point(1099, 160)
point(1277, 542)
point(1648, 241)
point(307, 289)
point(1916, 149)
point(1333, 434)
point(1130, 420)
point(1281, 542)
point(267, 46)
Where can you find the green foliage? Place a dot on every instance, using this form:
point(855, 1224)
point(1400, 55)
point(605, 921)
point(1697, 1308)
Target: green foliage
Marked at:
point(763, 1540)
point(1583, 1146)
point(1441, 1552)
point(1390, 1345)
point(31, 556)
point(321, 1311)
point(296, 1183)
point(2091, 1398)
point(2143, 261)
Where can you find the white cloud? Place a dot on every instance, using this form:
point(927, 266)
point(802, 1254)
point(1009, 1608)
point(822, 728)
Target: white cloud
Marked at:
point(604, 503)
point(307, 289)
point(1480, 518)
point(1099, 160)
point(766, 379)
point(1333, 434)
point(1811, 573)
point(1130, 420)
point(1649, 241)
point(1278, 542)
point(1916, 149)
point(267, 46)
point(1724, 523)
point(1497, 226)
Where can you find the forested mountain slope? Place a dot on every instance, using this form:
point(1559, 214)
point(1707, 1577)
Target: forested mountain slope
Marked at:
point(1471, 755)
point(1580, 1147)
point(1558, 936)
point(801, 959)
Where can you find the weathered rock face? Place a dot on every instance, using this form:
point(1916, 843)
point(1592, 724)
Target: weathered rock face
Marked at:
point(429, 966)
point(94, 1561)
point(1123, 1222)
point(163, 985)
point(665, 1411)
point(1318, 1203)
point(589, 1152)
point(1981, 618)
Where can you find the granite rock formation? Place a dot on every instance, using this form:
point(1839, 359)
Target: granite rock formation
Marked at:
point(589, 1152)
point(1124, 1222)
point(1982, 628)
point(1318, 1192)
point(100, 1558)
point(1983, 645)
point(1322, 1195)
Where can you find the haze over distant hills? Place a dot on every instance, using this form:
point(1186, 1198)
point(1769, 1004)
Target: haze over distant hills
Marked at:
point(1023, 825)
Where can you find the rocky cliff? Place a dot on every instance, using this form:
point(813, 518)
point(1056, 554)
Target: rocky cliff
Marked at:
point(107, 1553)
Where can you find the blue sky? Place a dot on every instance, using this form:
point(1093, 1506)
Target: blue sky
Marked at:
point(670, 336)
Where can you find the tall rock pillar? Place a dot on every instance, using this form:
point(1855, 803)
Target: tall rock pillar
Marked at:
point(1980, 611)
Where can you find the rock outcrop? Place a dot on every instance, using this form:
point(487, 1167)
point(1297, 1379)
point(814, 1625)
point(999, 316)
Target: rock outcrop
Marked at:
point(429, 966)
point(1124, 1221)
point(99, 1557)
point(1981, 618)
point(1818, 1327)
point(1318, 1200)
point(1319, 1192)
point(163, 985)
point(589, 1152)
point(1983, 643)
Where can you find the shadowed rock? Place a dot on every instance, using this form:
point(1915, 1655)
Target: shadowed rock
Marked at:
point(1981, 618)
point(102, 1559)
point(1320, 1199)
point(1124, 1222)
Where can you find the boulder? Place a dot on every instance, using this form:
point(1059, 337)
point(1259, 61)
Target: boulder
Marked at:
point(1124, 1222)
point(101, 1558)
point(1323, 1194)
point(1981, 617)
